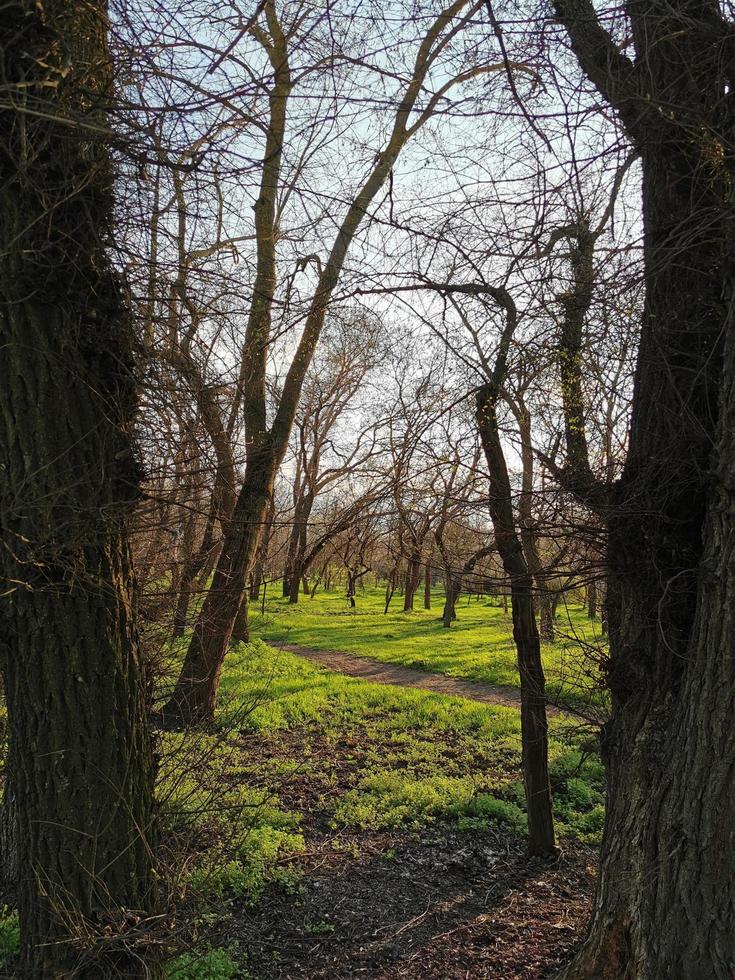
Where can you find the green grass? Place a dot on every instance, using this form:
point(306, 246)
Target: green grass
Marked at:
point(479, 645)
point(414, 757)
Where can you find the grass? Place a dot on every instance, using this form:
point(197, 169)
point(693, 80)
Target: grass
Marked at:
point(9, 935)
point(413, 757)
point(479, 646)
point(304, 761)
point(300, 747)
point(213, 964)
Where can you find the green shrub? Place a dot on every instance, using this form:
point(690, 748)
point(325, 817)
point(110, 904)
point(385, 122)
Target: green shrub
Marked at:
point(9, 935)
point(246, 877)
point(215, 964)
point(485, 809)
point(579, 796)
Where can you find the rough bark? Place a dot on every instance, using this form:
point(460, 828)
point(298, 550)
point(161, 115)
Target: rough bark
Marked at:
point(80, 767)
point(666, 891)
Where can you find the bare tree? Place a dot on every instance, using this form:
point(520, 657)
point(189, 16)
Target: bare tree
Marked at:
point(665, 896)
point(195, 693)
point(348, 352)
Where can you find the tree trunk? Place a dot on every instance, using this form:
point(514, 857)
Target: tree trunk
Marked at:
point(452, 590)
point(667, 881)
point(408, 590)
point(604, 615)
point(534, 729)
point(592, 600)
point(194, 697)
point(547, 602)
point(666, 890)
point(534, 733)
point(181, 610)
point(290, 575)
point(262, 554)
point(241, 629)
point(9, 844)
point(413, 575)
point(351, 589)
point(390, 589)
point(193, 564)
point(80, 767)
point(294, 585)
point(427, 586)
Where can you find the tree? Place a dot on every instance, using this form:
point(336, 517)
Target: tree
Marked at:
point(80, 771)
point(508, 541)
point(667, 882)
point(460, 547)
point(195, 693)
point(348, 352)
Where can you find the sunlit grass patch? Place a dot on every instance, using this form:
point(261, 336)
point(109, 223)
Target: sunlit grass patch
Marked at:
point(419, 757)
point(479, 646)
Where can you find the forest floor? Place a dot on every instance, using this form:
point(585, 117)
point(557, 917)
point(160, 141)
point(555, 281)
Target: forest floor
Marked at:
point(439, 904)
point(333, 826)
point(341, 826)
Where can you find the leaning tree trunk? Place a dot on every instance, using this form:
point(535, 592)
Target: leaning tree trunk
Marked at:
point(80, 766)
point(193, 699)
point(193, 565)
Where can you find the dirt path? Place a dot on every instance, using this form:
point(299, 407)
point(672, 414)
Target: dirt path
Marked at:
point(377, 672)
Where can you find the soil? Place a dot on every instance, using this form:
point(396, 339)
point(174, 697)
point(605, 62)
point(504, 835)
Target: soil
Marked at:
point(439, 906)
point(436, 904)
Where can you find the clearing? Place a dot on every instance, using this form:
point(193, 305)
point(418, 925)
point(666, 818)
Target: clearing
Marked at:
point(342, 826)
